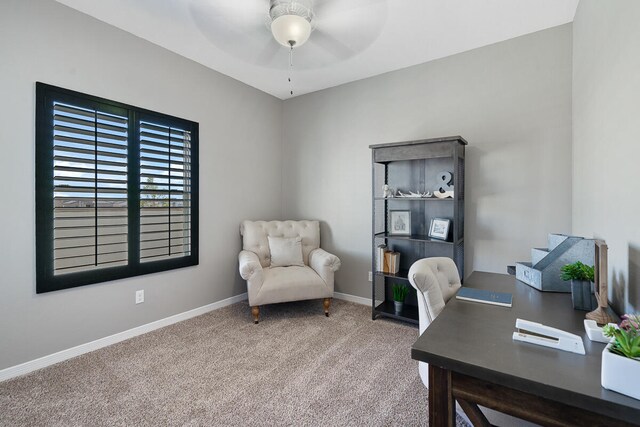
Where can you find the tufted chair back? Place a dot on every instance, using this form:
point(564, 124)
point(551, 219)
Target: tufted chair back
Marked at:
point(436, 280)
point(254, 237)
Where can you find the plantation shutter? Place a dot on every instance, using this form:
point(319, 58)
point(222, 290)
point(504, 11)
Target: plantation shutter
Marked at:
point(116, 190)
point(90, 189)
point(165, 192)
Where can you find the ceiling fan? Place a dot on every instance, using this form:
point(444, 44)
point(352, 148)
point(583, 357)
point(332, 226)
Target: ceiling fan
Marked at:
point(291, 21)
point(256, 31)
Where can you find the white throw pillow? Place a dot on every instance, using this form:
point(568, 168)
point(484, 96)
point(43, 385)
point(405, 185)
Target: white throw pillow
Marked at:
point(285, 252)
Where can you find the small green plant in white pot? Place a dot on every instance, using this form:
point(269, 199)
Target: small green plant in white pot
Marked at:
point(400, 292)
point(621, 358)
point(581, 276)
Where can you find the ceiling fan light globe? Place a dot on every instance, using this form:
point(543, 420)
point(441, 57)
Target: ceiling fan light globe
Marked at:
point(291, 28)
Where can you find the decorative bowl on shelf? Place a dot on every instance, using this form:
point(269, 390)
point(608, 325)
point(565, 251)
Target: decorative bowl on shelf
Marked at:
point(443, 194)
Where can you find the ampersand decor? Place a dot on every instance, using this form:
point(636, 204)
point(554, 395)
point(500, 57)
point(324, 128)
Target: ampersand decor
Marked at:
point(446, 179)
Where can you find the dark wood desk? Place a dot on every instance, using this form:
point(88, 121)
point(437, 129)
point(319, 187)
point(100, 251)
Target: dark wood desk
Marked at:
point(473, 359)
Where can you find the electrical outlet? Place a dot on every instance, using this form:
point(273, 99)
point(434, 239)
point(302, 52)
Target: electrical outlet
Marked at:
point(370, 276)
point(139, 297)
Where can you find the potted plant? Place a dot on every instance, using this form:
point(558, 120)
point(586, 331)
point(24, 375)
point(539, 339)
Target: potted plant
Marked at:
point(399, 294)
point(621, 358)
point(581, 276)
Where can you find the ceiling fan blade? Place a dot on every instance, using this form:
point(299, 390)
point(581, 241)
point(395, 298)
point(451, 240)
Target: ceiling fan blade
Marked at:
point(268, 53)
point(347, 27)
point(238, 9)
point(326, 8)
point(237, 28)
point(230, 23)
point(331, 44)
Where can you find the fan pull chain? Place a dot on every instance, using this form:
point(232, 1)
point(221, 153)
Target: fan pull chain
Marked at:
point(290, 69)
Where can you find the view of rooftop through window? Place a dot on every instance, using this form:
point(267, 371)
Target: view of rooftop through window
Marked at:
point(90, 189)
point(165, 188)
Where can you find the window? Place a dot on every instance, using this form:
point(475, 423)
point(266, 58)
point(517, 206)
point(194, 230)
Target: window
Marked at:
point(116, 190)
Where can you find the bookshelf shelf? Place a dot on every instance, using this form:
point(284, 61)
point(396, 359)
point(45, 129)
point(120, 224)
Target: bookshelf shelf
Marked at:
point(409, 313)
point(413, 199)
point(402, 274)
point(416, 237)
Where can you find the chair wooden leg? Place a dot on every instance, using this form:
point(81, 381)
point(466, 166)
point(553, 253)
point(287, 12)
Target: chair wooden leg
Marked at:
point(255, 310)
point(327, 304)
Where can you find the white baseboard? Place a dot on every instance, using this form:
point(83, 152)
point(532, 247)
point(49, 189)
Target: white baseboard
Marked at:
point(352, 298)
point(42, 362)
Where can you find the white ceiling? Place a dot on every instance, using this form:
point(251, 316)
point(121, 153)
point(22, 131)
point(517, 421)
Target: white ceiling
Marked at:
point(353, 39)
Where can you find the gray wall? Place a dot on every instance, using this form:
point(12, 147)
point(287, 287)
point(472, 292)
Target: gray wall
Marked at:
point(606, 127)
point(511, 101)
point(240, 146)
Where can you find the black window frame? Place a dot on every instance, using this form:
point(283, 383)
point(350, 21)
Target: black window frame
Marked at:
point(46, 281)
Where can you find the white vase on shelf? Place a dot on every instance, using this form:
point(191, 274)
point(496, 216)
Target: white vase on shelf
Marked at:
point(620, 374)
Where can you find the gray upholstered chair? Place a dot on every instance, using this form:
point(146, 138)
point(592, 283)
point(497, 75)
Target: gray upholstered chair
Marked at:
point(436, 281)
point(268, 282)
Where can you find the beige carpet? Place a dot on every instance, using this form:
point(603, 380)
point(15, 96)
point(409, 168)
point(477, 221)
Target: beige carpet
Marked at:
point(295, 368)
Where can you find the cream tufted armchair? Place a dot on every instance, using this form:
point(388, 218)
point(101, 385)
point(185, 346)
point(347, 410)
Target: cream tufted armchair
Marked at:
point(437, 281)
point(267, 284)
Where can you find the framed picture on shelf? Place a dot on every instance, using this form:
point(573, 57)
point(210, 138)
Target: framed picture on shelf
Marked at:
point(439, 228)
point(400, 223)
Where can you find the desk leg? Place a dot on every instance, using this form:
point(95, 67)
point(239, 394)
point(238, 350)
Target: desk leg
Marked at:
point(442, 408)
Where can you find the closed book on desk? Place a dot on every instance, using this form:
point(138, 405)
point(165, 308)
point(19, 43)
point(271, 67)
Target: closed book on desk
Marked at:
point(485, 297)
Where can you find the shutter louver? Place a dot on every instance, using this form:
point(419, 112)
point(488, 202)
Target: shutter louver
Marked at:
point(165, 192)
point(90, 189)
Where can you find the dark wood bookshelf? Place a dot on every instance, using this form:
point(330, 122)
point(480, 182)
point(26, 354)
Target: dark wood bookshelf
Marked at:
point(415, 166)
